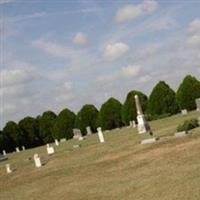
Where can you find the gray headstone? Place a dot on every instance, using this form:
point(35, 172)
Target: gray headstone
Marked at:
point(77, 133)
point(198, 104)
point(89, 131)
point(2, 157)
point(63, 140)
point(149, 141)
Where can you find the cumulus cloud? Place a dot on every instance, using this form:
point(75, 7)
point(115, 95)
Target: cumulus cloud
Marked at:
point(80, 39)
point(131, 11)
point(125, 72)
point(195, 26)
point(115, 50)
point(52, 48)
point(194, 33)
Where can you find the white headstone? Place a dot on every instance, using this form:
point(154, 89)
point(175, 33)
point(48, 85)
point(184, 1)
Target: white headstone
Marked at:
point(56, 142)
point(8, 169)
point(50, 150)
point(17, 149)
point(100, 134)
point(180, 134)
point(143, 125)
point(63, 140)
point(37, 161)
point(23, 148)
point(133, 124)
point(89, 131)
point(184, 112)
point(149, 141)
point(4, 152)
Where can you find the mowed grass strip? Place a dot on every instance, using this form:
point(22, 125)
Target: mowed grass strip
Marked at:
point(121, 168)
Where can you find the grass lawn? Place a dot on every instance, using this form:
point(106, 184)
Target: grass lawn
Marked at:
point(119, 169)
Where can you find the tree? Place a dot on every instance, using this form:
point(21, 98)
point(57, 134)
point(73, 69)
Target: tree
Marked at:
point(87, 116)
point(188, 91)
point(30, 129)
point(129, 111)
point(13, 134)
point(64, 124)
point(162, 100)
point(4, 143)
point(110, 114)
point(46, 123)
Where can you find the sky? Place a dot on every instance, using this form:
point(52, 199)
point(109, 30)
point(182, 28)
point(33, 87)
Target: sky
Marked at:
point(64, 54)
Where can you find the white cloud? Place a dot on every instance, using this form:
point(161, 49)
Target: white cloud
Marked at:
point(194, 40)
point(8, 108)
point(194, 26)
point(80, 39)
point(115, 50)
point(125, 72)
point(17, 73)
point(52, 48)
point(194, 31)
point(131, 11)
point(5, 1)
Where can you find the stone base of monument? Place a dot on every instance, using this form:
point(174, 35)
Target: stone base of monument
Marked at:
point(181, 134)
point(143, 125)
point(2, 157)
point(149, 140)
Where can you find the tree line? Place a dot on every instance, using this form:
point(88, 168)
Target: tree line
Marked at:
point(163, 101)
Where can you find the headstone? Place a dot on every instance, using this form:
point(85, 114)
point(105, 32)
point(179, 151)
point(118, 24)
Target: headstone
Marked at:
point(198, 104)
point(100, 134)
point(133, 124)
point(8, 169)
point(37, 161)
point(143, 125)
point(63, 140)
point(23, 148)
point(50, 150)
point(17, 149)
point(4, 152)
point(149, 140)
point(2, 157)
point(76, 146)
point(184, 112)
point(180, 134)
point(89, 131)
point(77, 133)
point(56, 142)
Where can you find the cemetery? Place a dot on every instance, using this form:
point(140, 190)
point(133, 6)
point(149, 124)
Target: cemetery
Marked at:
point(100, 100)
point(120, 167)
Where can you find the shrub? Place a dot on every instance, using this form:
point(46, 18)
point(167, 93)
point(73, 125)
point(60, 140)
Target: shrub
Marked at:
point(188, 125)
point(110, 114)
point(188, 91)
point(162, 100)
point(64, 124)
point(87, 116)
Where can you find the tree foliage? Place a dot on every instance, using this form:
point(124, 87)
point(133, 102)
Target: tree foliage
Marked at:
point(187, 92)
point(64, 124)
point(29, 127)
point(46, 123)
point(162, 100)
point(129, 111)
point(87, 116)
point(110, 114)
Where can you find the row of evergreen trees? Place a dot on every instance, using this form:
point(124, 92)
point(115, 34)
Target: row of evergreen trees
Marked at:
point(43, 129)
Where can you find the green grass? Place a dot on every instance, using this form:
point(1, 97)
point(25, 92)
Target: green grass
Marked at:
point(119, 169)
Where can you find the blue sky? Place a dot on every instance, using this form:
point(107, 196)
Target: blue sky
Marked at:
point(58, 54)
